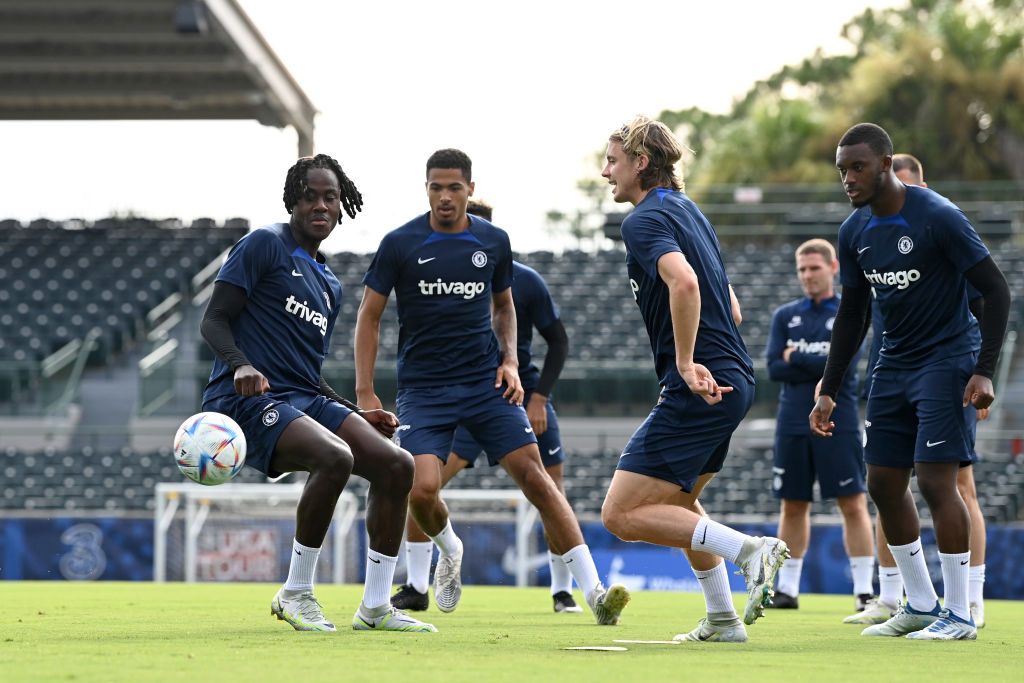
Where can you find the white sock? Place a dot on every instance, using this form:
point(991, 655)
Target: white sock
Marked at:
point(380, 572)
point(417, 562)
point(788, 579)
point(581, 564)
point(714, 583)
point(921, 593)
point(955, 577)
point(447, 542)
point(561, 577)
point(302, 568)
point(862, 569)
point(976, 590)
point(711, 537)
point(890, 585)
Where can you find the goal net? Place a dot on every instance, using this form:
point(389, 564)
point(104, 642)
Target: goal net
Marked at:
point(242, 532)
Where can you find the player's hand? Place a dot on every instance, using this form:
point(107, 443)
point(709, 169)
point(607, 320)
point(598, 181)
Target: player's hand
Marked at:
point(700, 381)
point(982, 414)
point(508, 374)
point(383, 421)
point(537, 412)
point(787, 352)
point(979, 392)
point(817, 388)
point(250, 382)
point(821, 425)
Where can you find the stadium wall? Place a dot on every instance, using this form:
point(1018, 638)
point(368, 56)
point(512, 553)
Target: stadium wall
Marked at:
point(120, 549)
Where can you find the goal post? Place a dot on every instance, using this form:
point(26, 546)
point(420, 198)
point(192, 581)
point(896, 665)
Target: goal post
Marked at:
point(254, 512)
point(238, 531)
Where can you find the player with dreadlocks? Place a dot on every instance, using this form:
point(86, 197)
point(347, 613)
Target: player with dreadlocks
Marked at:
point(269, 321)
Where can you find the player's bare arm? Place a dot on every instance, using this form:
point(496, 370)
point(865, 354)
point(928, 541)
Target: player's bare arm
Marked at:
point(684, 301)
point(503, 319)
point(367, 340)
point(737, 314)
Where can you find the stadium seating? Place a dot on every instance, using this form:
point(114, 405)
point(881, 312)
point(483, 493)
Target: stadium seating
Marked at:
point(61, 280)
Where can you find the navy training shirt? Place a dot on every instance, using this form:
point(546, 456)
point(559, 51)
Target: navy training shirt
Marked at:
point(666, 221)
point(443, 284)
point(534, 309)
point(914, 262)
point(806, 327)
point(285, 327)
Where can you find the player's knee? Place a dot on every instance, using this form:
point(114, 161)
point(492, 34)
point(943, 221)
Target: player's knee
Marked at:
point(401, 470)
point(616, 521)
point(878, 490)
point(423, 497)
point(967, 492)
point(335, 462)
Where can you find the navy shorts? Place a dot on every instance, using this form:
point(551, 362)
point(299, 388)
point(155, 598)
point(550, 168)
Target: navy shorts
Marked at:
point(263, 419)
point(550, 442)
point(837, 462)
point(684, 437)
point(918, 415)
point(430, 415)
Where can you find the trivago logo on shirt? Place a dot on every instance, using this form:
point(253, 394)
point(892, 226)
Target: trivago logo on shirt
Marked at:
point(467, 290)
point(304, 312)
point(819, 348)
point(901, 279)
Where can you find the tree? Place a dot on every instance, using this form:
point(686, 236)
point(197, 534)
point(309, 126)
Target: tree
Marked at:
point(944, 78)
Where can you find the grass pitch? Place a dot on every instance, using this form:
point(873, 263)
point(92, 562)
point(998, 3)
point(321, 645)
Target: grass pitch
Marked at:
point(108, 631)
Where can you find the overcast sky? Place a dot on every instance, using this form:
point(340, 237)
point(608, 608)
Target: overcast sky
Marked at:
point(530, 90)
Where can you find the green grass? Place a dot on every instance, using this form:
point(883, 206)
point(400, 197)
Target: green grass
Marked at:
point(106, 631)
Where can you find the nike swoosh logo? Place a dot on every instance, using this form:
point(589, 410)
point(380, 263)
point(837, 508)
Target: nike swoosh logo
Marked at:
point(552, 451)
point(528, 430)
point(931, 444)
point(296, 273)
point(793, 324)
point(298, 553)
point(421, 261)
point(963, 562)
point(374, 561)
point(704, 537)
point(861, 251)
point(568, 561)
point(915, 552)
point(844, 482)
point(892, 574)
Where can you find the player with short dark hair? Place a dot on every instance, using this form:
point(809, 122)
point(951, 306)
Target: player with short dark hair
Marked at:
point(914, 251)
point(910, 171)
point(798, 344)
point(458, 366)
point(269, 322)
point(534, 309)
point(678, 280)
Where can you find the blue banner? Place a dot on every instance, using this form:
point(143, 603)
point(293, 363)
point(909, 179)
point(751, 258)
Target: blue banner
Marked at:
point(115, 549)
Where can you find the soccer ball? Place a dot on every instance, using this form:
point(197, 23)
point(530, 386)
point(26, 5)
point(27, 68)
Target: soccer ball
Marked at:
point(209, 448)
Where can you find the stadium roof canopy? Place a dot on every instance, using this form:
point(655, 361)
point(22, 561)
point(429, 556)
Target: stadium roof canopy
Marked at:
point(144, 59)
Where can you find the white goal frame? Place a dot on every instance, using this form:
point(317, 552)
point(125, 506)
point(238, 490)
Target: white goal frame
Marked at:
point(197, 508)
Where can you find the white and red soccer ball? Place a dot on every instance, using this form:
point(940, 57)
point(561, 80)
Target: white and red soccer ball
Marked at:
point(209, 448)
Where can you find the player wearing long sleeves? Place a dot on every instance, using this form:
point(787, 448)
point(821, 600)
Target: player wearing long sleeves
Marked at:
point(914, 251)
